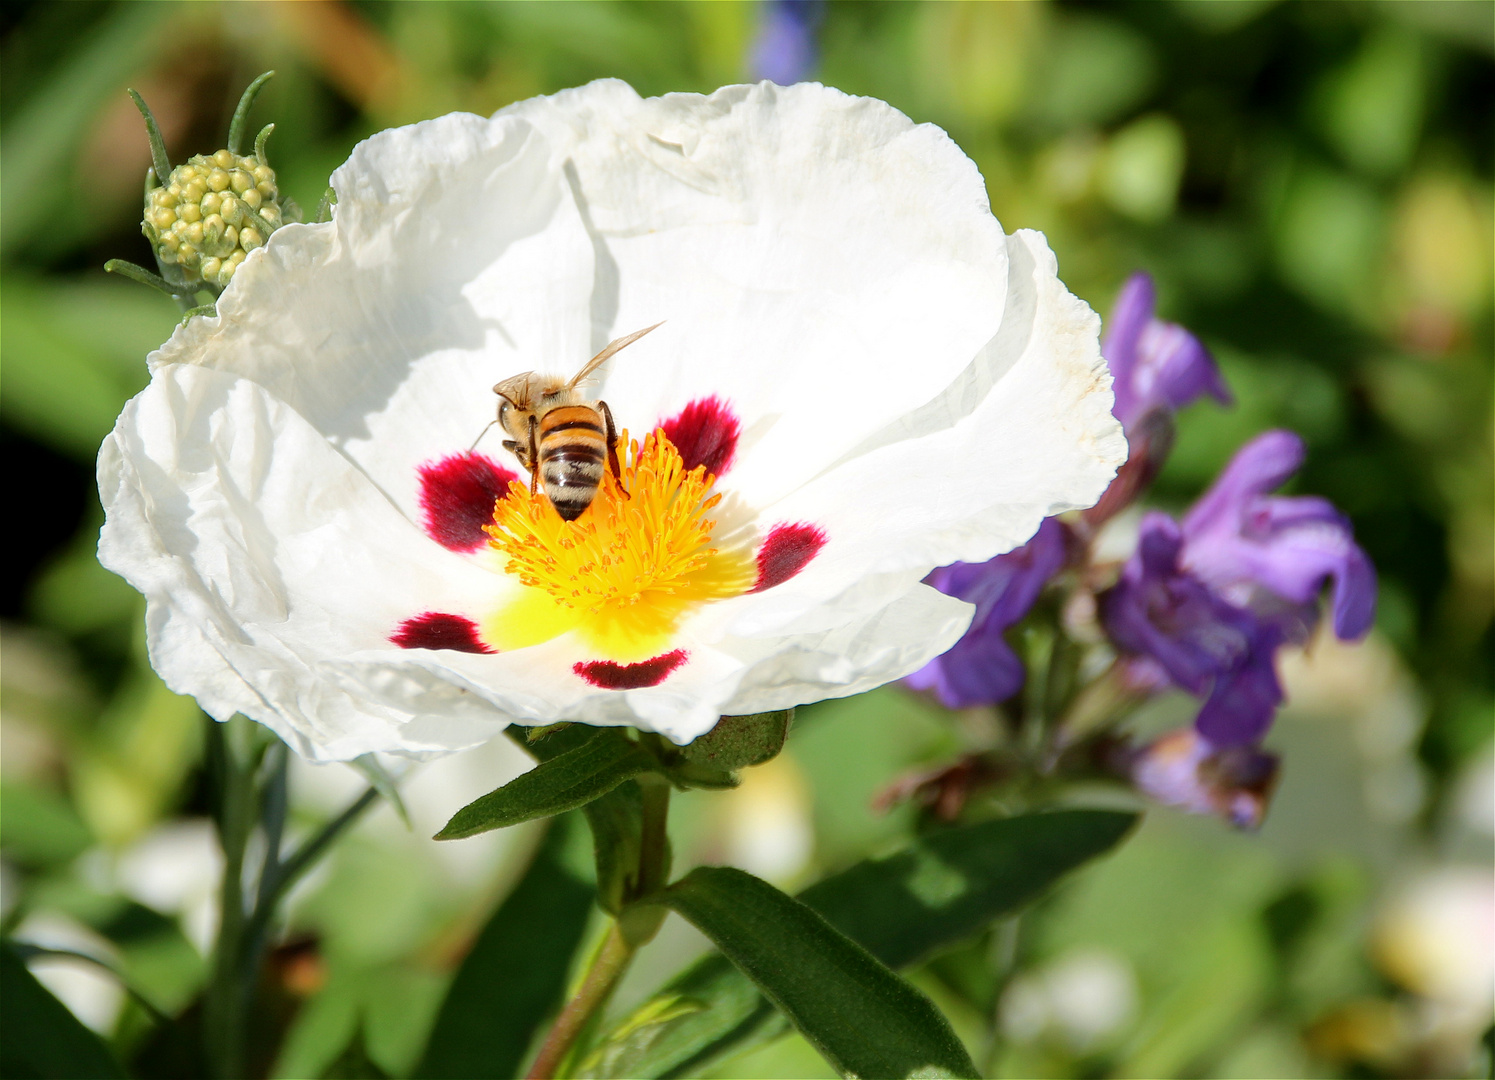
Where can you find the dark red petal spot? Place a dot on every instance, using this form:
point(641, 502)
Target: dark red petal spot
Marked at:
point(705, 432)
point(437, 630)
point(786, 551)
point(611, 676)
point(457, 494)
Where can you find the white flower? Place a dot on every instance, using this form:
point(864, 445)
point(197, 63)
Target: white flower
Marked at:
point(878, 379)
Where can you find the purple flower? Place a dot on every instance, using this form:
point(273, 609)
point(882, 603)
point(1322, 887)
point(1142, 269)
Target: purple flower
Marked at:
point(981, 668)
point(784, 50)
point(1159, 612)
point(1155, 364)
point(1241, 540)
point(1182, 768)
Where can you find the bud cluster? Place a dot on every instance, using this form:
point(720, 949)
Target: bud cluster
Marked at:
point(211, 213)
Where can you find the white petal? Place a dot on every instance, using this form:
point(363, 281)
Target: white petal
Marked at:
point(262, 553)
point(823, 263)
point(456, 258)
point(971, 476)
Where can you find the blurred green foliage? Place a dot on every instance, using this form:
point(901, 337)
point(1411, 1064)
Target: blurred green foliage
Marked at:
point(1311, 185)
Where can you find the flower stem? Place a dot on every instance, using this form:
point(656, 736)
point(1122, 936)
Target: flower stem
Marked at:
point(654, 848)
point(608, 965)
point(636, 925)
point(224, 1008)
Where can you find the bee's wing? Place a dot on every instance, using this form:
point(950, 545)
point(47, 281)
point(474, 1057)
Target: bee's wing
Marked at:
point(606, 354)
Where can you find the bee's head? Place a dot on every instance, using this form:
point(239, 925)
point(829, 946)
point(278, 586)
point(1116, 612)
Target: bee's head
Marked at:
point(515, 403)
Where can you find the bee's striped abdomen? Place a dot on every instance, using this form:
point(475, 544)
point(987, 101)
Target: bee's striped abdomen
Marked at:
point(573, 453)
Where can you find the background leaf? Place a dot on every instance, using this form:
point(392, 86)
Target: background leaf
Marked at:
point(947, 885)
point(936, 892)
point(39, 1037)
point(862, 1017)
point(515, 973)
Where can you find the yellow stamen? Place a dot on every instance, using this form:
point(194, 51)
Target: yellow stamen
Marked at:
point(623, 574)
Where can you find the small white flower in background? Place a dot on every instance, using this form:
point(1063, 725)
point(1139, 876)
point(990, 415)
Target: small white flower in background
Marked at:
point(177, 869)
point(859, 378)
point(91, 994)
point(1082, 999)
point(767, 826)
point(1436, 937)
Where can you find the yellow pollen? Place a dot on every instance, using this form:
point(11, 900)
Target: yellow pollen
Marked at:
point(624, 573)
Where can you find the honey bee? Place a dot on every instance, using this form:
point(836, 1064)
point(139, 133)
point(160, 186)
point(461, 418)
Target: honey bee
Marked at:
point(564, 440)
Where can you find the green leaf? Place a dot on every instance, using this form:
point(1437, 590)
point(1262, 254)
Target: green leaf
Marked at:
point(39, 1037)
point(57, 388)
point(616, 819)
point(933, 894)
point(946, 886)
point(862, 1017)
point(708, 1009)
point(41, 827)
point(43, 136)
point(562, 783)
point(515, 974)
point(739, 741)
point(354, 1062)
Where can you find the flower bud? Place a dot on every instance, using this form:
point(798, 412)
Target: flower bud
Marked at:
point(210, 213)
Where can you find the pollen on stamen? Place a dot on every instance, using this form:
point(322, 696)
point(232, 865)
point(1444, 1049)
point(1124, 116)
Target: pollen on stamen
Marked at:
point(626, 571)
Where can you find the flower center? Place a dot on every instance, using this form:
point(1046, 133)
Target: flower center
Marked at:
point(624, 573)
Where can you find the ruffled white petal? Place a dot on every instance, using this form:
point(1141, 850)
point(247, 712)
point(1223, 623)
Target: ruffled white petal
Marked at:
point(982, 468)
point(909, 380)
point(263, 553)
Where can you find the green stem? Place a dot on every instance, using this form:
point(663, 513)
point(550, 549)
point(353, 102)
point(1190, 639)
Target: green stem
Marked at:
point(608, 964)
point(654, 846)
point(273, 886)
point(636, 926)
point(224, 1009)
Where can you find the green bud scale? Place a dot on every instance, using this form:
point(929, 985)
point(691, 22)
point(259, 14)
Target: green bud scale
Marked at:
point(211, 213)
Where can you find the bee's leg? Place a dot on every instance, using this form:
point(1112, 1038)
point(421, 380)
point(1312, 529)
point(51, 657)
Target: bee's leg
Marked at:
point(612, 440)
point(534, 456)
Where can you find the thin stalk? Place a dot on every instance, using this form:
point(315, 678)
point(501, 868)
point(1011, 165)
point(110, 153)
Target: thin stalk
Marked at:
point(636, 926)
point(224, 1011)
point(273, 811)
point(608, 964)
point(1004, 956)
point(273, 885)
